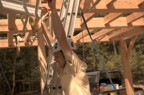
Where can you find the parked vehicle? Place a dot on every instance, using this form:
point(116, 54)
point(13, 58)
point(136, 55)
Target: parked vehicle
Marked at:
point(101, 85)
point(139, 89)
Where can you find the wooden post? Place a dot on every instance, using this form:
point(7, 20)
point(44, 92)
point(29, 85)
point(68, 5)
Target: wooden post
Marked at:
point(11, 27)
point(125, 54)
point(42, 60)
point(42, 63)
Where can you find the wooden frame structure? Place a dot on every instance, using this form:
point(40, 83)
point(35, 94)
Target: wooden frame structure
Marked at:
point(108, 20)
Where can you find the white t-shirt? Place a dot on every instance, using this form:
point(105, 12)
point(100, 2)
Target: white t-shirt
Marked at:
point(73, 78)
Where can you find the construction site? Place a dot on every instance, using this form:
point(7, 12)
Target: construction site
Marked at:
point(28, 23)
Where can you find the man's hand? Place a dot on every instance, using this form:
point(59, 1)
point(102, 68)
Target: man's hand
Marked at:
point(52, 4)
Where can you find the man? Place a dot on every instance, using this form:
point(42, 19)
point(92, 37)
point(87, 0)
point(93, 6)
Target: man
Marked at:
point(73, 77)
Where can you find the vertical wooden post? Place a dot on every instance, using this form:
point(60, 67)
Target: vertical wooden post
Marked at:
point(11, 27)
point(42, 62)
point(125, 54)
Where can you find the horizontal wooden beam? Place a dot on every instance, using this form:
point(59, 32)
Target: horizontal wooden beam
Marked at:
point(82, 34)
point(134, 16)
point(103, 6)
point(118, 4)
point(128, 34)
point(102, 39)
point(92, 24)
point(88, 17)
point(125, 33)
point(99, 34)
point(99, 23)
point(111, 17)
point(120, 31)
point(18, 7)
point(4, 44)
point(18, 22)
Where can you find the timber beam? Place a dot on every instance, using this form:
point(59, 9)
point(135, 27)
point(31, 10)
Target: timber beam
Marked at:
point(98, 35)
point(108, 6)
point(18, 23)
point(4, 44)
point(112, 34)
point(20, 7)
point(134, 16)
point(92, 24)
point(127, 34)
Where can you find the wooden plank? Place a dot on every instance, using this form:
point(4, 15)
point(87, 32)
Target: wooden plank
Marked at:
point(47, 35)
point(88, 17)
point(137, 31)
point(42, 58)
point(141, 5)
point(95, 3)
point(98, 34)
point(138, 22)
point(134, 16)
point(18, 22)
point(128, 34)
point(101, 39)
point(126, 67)
point(111, 17)
point(58, 4)
point(112, 10)
point(42, 62)
point(92, 24)
point(109, 4)
point(120, 32)
point(83, 33)
point(4, 44)
point(102, 33)
point(99, 23)
point(12, 28)
point(119, 5)
point(119, 22)
point(19, 7)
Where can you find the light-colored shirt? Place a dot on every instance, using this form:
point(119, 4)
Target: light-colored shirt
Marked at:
point(73, 78)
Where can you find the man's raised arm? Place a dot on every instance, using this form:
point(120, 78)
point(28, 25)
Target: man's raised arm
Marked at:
point(59, 30)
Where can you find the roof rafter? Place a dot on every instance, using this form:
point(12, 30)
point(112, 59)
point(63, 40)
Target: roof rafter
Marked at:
point(98, 34)
point(18, 7)
point(127, 34)
point(134, 16)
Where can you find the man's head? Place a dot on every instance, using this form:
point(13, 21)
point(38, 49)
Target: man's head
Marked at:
point(59, 58)
point(58, 53)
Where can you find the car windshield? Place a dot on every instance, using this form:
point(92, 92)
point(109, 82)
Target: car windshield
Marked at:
point(91, 78)
point(113, 75)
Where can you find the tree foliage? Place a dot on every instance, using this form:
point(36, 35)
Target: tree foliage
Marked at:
point(26, 70)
